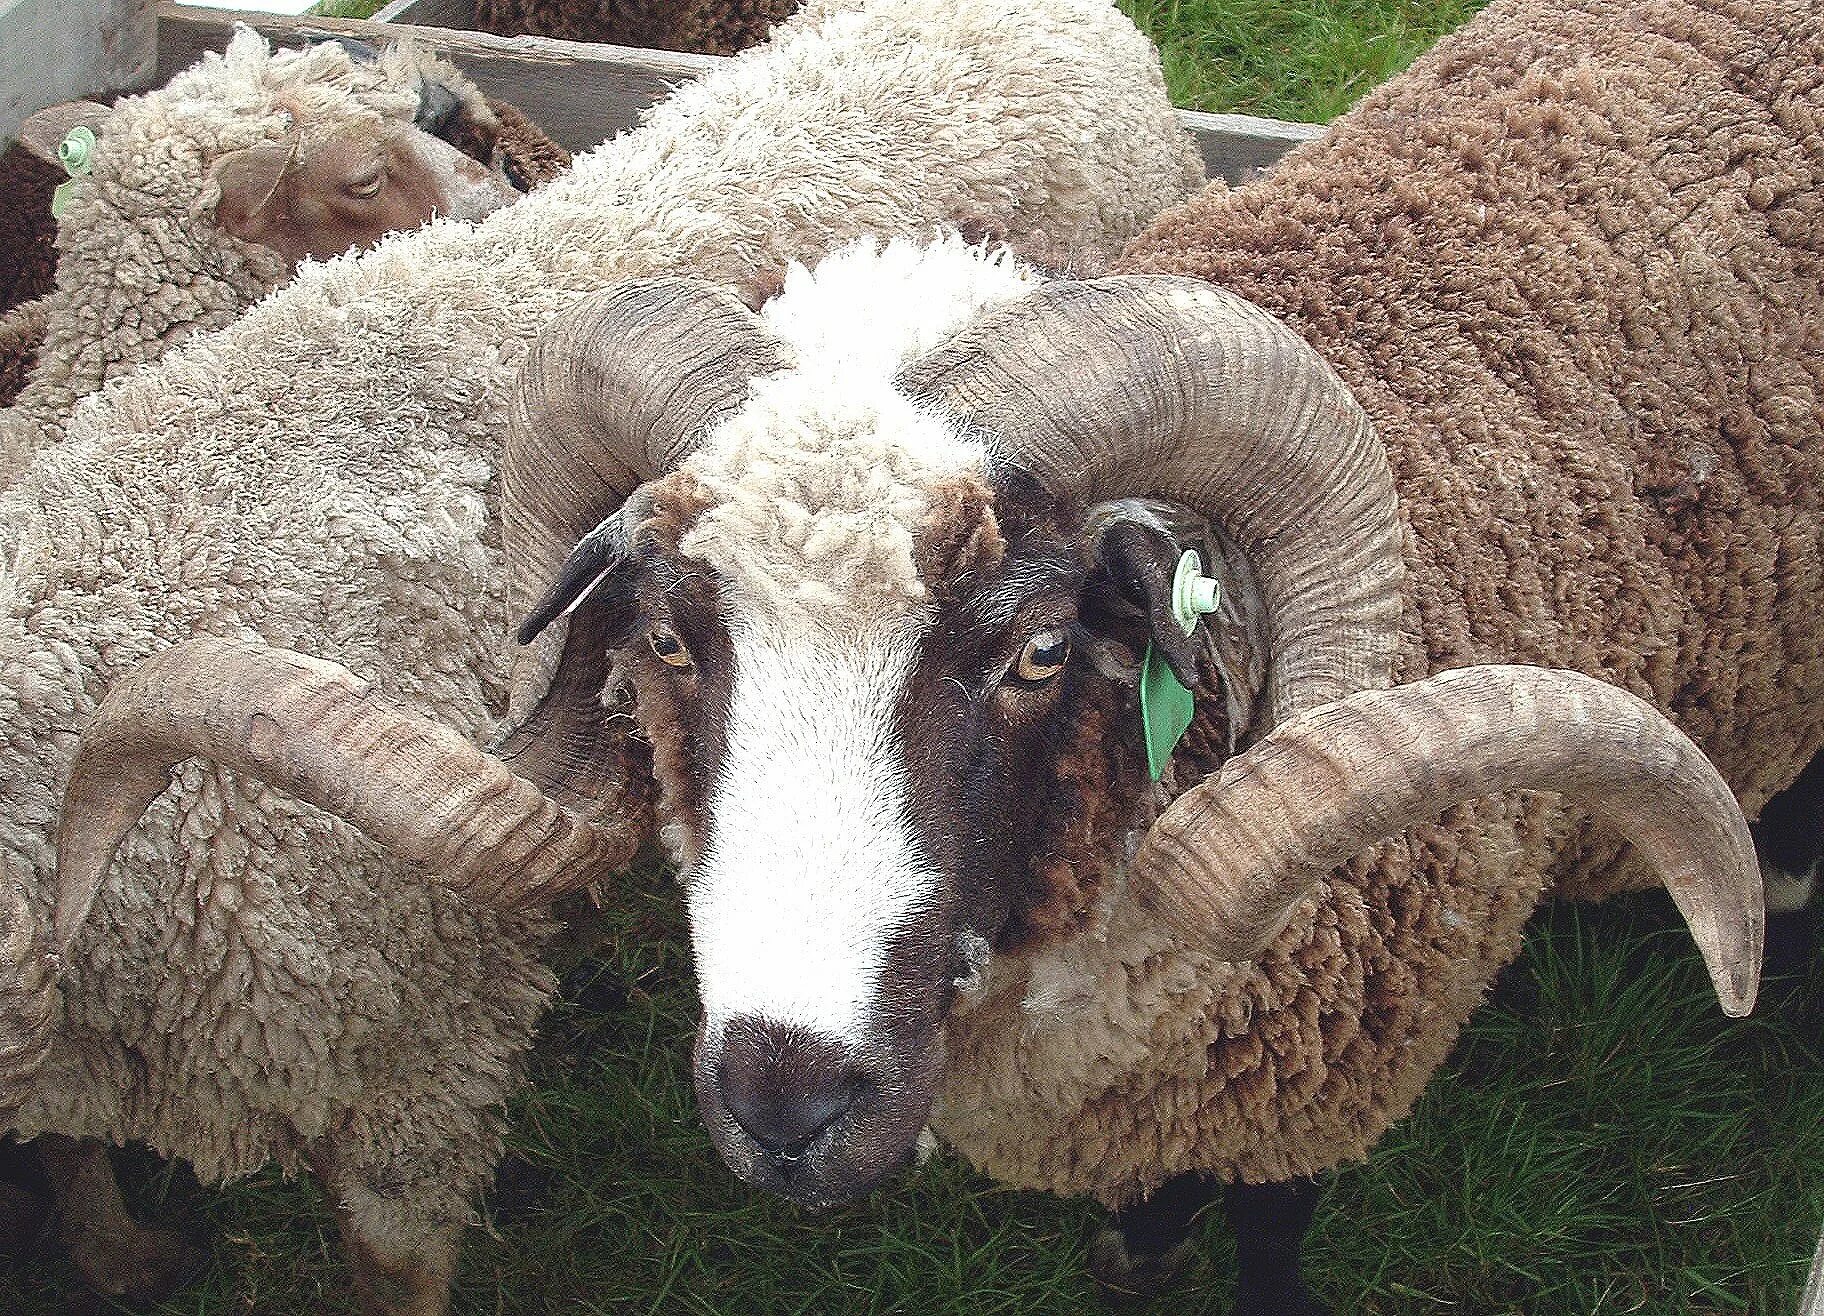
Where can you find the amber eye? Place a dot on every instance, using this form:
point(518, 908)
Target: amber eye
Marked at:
point(669, 647)
point(367, 185)
point(1044, 656)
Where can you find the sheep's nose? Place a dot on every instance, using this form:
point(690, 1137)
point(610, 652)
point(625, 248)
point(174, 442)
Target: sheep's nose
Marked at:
point(783, 1084)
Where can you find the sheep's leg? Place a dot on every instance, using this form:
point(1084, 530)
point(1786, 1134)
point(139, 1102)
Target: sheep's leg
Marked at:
point(114, 1256)
point(401, 1259)
point(1269, 1222)
point(1790, 838)
point(1143, 1248)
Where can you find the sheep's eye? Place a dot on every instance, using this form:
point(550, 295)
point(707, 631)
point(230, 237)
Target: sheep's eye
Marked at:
point(367, 185)
point(669, 647)
point(1044, 656)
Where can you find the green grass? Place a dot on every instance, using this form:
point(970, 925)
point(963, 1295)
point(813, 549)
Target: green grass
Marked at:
point(348, 8)
point(1289, 59)
point(1603, 1142)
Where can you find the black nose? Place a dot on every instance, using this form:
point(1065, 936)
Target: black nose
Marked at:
point(783, 1084)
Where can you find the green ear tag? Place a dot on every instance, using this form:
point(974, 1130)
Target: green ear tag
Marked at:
point(1165, 711)
point(1166, 707)
point(76, 152)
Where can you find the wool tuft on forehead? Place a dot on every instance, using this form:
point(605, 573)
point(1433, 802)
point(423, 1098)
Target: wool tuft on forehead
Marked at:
point(820, 502)
point(829, 487)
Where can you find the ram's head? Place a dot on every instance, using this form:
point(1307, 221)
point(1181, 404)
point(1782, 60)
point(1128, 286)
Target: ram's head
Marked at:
point(884, 634)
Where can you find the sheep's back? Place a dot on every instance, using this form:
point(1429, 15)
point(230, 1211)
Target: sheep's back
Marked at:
point(1571, 265)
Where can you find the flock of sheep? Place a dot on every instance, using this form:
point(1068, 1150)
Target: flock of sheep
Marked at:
point(842, 552)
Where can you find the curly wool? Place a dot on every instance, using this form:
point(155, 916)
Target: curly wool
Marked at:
point(141, 265)
point(321, 475)
point(712, 27)
point(1569, 264)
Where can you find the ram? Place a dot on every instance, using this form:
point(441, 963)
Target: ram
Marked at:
point(254, 983)
point(1519, 476)
point(190, 203)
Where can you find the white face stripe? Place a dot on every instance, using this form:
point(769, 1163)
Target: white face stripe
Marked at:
point(809, 865)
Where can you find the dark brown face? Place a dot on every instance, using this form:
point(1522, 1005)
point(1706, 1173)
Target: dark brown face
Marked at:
point(866, 807)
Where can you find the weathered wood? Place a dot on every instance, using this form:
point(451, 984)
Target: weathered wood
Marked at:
point(581, 94)
point(53, 51)
point(1811, 1302)
point(429, 13)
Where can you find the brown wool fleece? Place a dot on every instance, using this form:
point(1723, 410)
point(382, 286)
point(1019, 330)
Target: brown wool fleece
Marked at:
point(1570, 264)
point(28, 234)
point(711, 27)
point(21, 331)
point(529, 157)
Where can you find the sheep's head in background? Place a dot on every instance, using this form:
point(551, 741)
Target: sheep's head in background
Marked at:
point(303, 153)
point(874, 572)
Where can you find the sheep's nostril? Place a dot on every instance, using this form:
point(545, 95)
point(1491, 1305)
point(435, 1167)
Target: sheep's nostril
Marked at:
point(785, 1085)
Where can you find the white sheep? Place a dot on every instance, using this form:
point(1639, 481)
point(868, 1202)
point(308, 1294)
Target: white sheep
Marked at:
point(254, 982)
point(189, 203)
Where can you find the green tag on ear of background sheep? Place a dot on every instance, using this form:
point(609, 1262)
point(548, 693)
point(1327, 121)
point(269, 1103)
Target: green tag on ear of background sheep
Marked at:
point(75, 152)
point(1166, 708)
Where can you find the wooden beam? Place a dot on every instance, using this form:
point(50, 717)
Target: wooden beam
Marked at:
point(582, 94)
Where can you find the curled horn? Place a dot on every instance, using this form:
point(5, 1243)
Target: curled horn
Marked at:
point(1171, 388)
point(315, 731)
point(618, 389)
point(1226, 863)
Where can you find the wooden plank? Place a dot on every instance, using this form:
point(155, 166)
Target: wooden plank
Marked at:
point(581, 94)
point(429, 13)
point(1811, 1302)
point(55, 50)
point(1237, 145)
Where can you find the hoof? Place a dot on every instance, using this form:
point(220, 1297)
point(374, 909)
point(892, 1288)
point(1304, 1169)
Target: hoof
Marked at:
point(1288, 1300)
point(1791, 943)
point(1123, 1277)
point(594, 987)
point(519, 1189)
point(142, 1268)
point(25, 1221)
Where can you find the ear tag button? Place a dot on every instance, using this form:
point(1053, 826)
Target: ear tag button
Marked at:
point(1166, 707)
point(76, 153)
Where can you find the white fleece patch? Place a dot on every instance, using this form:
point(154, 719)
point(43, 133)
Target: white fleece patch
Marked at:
point(866, 310)
point(808, 867)
point(820, 488)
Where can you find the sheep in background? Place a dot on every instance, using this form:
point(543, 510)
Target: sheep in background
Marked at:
point(1537, 435)
point(203, 196)
point(255, 982)
point(713, 27)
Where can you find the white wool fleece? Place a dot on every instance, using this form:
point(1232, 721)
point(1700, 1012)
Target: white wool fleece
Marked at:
point(321, 474)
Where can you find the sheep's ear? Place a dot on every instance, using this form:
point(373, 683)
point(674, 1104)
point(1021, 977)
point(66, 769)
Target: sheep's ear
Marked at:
point(44, 132)
point(1135, 546)
point(248, 179)
point(599, 571)
point(1136, 554)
